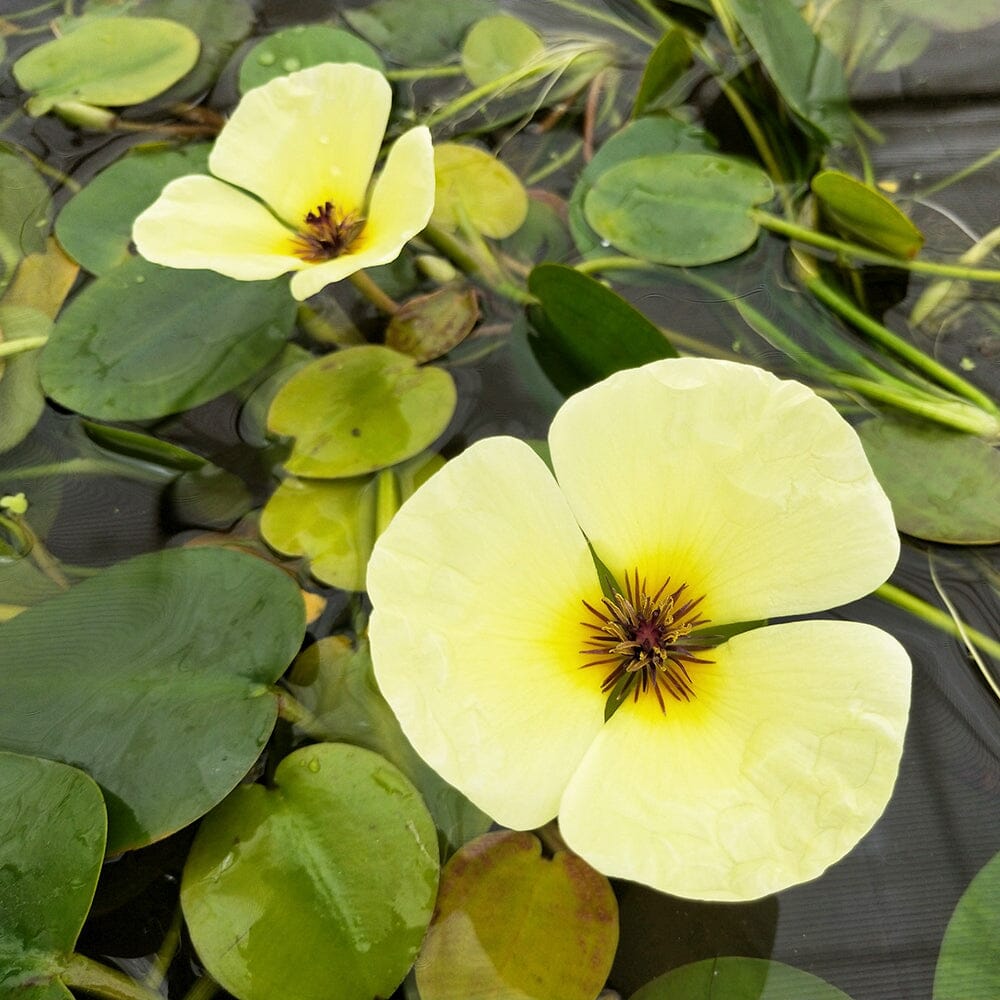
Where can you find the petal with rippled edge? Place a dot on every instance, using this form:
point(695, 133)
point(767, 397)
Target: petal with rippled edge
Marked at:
point(751, 489)
point(401, 204)
point(477, 586)
point(199, 222)
point(775, 770)
point(307, 138)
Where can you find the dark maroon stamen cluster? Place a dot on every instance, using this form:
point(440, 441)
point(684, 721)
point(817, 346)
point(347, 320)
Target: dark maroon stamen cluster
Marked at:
point(327, 234)
point(645, 638)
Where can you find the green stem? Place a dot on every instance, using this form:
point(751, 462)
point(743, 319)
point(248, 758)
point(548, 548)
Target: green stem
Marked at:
point(959, 175)
point(10, 348)
point(165, 953)
point(92, 467)
point(598, 265)
point(85, 974)
point(482, 267)
point(911, 354)
point(810, 236)
point(598, 15)
point(755, 132)
point(293, 711)
point(938, 618)
point(45, 168)
point(203, 989)
point(656, 15)
point(28, 12)
point(364, 284)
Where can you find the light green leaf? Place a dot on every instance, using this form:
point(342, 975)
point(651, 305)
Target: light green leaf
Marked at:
point(108, 62)
point(498, 45)
point(860, 213)
point(683, 208)
point(943, 484)
point(510, 923)
point(360, 409)
point(143, 341)
point(52, 832)
point(958, 15)
point(474, 187)
point(302, 46)
point(95, 226)
point(323, 882)
point(153, 677)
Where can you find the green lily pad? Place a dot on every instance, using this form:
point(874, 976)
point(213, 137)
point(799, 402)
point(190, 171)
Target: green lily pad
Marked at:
point(865, 215)
point(51, 850)
point(427, 326)
point(108, 62)
point(327, 877)
point(301, 46)
point(586, 331)
point(143, 341)
point(498, 45)
point(153, 677)
point(804, 71)
point(684, 208)
point(654, 135)
point(95, 226)
point(360, 409)
point(475, 188)
point(334, 680)
point(417, 32)
point(943, 484)
point(968, 966)
point(510, 923)
point(738, 979)
point(25, 207)
point(21, 396)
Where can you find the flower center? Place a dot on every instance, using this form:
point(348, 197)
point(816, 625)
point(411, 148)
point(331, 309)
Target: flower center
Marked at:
point(327, 233)
point(645, 639)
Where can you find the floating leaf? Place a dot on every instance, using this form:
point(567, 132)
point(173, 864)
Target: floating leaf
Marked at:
point(684, 208)
point(943, 484)
point(417, 32)
point(42, 280)
point(474, 187)
point(498, 45)
point(968, 966)
point(805, 72)
point(25, 204)
point(152, 676)
point(664, 68)
point(587, 332)
point(334, 680)
point(645, 137)
point(427, 326)
point(738, 979)
point(302, 46)
point(283, 895)
point(958, 15)
point(865, 215)
point(360, 409)
point(51, 849)
point(95, 226)
point(21, 396)
point(510, 923)
point(143, 341)
point(107, 62)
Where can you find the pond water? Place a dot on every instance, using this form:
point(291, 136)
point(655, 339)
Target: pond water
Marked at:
point(150, 424)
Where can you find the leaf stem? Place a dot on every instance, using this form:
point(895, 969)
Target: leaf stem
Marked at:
point(367, 287)
point(10, 348)
point(597, 15)
point(165, 953)
point(85, 974)
point(477, 263)
point(203, 988)
point(292, 710)
point(853, 250)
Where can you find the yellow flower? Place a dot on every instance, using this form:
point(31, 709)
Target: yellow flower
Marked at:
point(717, 494)
point(304, 146)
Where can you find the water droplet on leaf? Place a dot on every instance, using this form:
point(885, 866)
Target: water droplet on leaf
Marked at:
point(291, 64)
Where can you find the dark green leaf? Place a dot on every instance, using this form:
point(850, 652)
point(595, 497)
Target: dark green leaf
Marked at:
point(25, 206)
point(664, 68)
point(21, 396)
point(143, 341)
point(152, 676)
point(319, 886)
point(586, 331)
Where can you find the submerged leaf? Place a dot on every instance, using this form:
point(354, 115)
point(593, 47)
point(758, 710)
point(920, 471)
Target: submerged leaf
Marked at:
point(498, 45)
point(283, 894)
point(25, 206)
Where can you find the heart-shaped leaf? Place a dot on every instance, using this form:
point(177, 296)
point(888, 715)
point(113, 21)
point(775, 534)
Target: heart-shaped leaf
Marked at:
point(153, 677)
point(321, 885)
point(360, 409)
point(684, 208)
point(52, 832)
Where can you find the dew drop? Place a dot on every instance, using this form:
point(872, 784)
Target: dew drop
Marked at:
point(313, 765)
point(291, 64)
point(324, 140)
point(605, 243)
point(139, 279)
point(266, 58)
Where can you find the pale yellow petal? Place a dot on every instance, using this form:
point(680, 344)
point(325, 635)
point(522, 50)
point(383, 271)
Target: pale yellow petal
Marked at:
point(782, 762)
point(199, 222)
point(750, 489)
point(477, 586)
point(307, 138)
